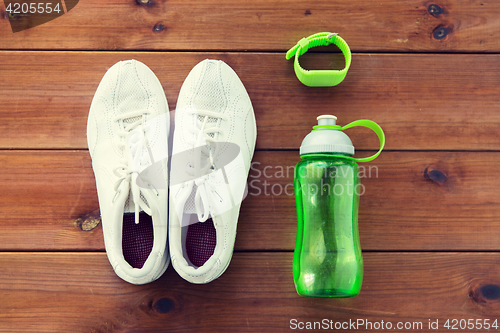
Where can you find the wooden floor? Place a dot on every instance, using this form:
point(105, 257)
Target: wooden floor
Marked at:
point(428, 73)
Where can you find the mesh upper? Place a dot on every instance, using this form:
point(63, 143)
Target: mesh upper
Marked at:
point(210, 94)
point(130, 93)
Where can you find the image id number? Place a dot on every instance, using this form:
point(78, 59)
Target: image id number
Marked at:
point(471, 324)
point(32, 8)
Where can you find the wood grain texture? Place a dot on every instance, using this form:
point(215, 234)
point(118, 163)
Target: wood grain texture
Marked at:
point(43, 195)
point(420, 69)
point(79, 292)
point(391, 25)
point(412, 201)
point(423, 102)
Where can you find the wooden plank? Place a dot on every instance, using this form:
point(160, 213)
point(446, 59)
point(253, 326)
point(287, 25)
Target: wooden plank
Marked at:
point(412, 201)
point(43, 196)
point(471, 26)
point(78, 292)
point(423, 102)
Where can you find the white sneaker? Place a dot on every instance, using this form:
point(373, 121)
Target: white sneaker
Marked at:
point(214, 141)
point(127, 133)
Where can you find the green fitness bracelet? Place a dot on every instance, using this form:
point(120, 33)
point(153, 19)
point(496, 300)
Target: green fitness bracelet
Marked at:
point(320, 78)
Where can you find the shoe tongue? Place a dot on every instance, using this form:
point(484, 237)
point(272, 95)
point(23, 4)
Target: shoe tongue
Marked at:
point(129, 206)
point(189, 207)
point(210, 120)
point(131, 119)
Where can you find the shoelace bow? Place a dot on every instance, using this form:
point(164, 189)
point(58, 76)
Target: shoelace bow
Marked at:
point(132, 147)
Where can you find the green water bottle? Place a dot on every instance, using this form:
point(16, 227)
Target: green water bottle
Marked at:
point(327, 261)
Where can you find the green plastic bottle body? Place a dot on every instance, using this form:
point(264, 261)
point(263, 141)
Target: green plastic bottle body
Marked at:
point(327, 261)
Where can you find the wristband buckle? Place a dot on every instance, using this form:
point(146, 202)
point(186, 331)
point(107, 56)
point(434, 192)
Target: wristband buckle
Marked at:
point(320, 78)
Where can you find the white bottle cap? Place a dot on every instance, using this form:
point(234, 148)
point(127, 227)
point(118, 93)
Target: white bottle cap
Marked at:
point(327, 140)
point(326, 120)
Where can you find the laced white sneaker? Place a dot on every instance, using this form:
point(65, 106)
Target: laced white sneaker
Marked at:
point(214, 141)
point(127, 133)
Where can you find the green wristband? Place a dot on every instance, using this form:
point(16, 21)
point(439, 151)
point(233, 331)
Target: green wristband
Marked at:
point(320, 78)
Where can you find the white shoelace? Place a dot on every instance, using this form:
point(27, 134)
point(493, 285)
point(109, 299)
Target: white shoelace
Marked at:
point(132, 145)
point(204, 196)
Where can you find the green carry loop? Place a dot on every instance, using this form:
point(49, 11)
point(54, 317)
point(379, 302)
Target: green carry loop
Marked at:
point(363, 123)
point(374, 127)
